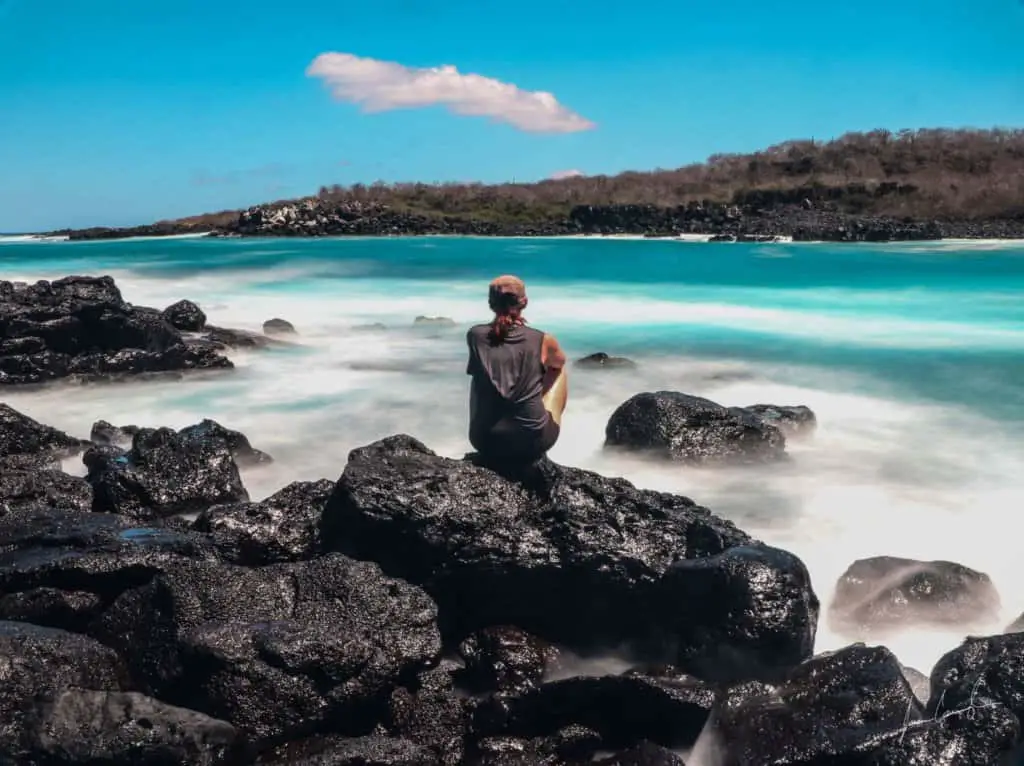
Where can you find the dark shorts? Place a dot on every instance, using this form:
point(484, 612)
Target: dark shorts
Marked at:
point(507, 440)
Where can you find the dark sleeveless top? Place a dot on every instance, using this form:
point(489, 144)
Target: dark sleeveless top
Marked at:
point(507, 380)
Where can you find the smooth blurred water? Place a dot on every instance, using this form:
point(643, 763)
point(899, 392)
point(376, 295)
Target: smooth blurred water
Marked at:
point(912, 355)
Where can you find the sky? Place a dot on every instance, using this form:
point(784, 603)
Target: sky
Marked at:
point(123, 112)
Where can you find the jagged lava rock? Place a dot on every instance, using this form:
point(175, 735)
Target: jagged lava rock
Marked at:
point(276, 651)
point(603, 361)
point(35, 660)
point(81, 326)
point(22, 435)
point(886, 594)
point(438, 322)
point(238, 443)
point(373, 750)
point(284, 527)
point(185, 315)
point(572, 557)
point(504, 658)
point(61, 569)
point(164, 473)
point(852, 706)
point(644, 754)
point(689, 429)
point(659, 704)
point(224, 338)
point(277, 326)
point(574, 745)
point(76, 726)
point(106, 434)
point(35, 489)
point(793, 421)
point(982, 669)
point(431, 714)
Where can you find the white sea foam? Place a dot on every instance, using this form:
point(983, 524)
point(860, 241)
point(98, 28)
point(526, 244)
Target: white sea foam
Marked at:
point(882, 475)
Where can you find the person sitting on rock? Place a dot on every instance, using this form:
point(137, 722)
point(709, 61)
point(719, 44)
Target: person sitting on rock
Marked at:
point(519, 389)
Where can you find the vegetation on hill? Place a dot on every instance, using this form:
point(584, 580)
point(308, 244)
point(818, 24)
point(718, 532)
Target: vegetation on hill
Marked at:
point(931, 175)
point(955, 174)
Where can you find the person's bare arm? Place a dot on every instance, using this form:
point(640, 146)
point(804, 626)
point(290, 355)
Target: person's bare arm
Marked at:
point(553, 359)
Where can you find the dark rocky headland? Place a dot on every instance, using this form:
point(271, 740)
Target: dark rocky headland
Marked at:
point(418, 610)
point(861, 187)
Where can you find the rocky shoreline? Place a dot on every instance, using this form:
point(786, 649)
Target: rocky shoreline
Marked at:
point(755, 217)
point(418, 610)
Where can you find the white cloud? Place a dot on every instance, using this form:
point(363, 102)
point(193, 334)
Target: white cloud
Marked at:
point(380, 86)
point(558, 175)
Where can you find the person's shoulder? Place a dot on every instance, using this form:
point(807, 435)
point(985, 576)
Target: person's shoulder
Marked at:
point(478, 331)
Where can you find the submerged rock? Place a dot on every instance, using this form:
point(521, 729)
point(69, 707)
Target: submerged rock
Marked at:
point(284, 527)
point(794, 422)
point(225, 339)
point(185, 315)
point(278, 327)
point(424, 321)
point(886, 594)
point(573, 558)
point(601, 360)
point(106, 434)
point(276, 651)
point(22, 435)
point(692, 430)
point(77, 726)
point(81, 326)
point(163, 474)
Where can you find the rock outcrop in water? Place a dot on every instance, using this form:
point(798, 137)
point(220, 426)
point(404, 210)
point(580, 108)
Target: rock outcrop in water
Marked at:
point(80, 327)
point(430, 612)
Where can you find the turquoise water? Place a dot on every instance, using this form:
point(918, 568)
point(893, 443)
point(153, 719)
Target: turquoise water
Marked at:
point(911, 354)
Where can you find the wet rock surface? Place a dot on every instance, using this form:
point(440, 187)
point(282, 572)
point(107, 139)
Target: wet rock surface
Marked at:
point(886, 594)
point(163, 474)
point(424, 610)
point(571, 557)
point(77, 726)
point(692, 430)
point(850, 706)
point(185, 315)
point(284, 527)
point(23, 436)
point(81, 327)
point(276, 651)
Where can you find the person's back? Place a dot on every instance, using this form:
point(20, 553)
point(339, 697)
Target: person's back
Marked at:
point(518, 386)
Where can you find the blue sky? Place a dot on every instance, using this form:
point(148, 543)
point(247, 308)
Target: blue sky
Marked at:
point(118, 112)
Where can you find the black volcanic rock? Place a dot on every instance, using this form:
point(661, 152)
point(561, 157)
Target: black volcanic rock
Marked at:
point(643, 754)
point(277, 326)
point(62, 568)
point(692, 430)
point(223, 338)
point(573, 558)
point(76, 726)
point(22, 435)
point(373, 750)
point(853, 706)
point(37, 489)
point(81, 326)
point(276, 651)
point(185, 315)
point(35, 660)
point(163, 474)
point(283, 527)
point(601, 360)
point(886, 594)
point(210, 431)
point(106, 434)
point(982, 670)
point(431, 714)
point(504, 658)
point(661, 704)
point(793, 421)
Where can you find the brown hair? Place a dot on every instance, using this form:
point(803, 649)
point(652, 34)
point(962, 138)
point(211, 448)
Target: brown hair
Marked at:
point(507, 308)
